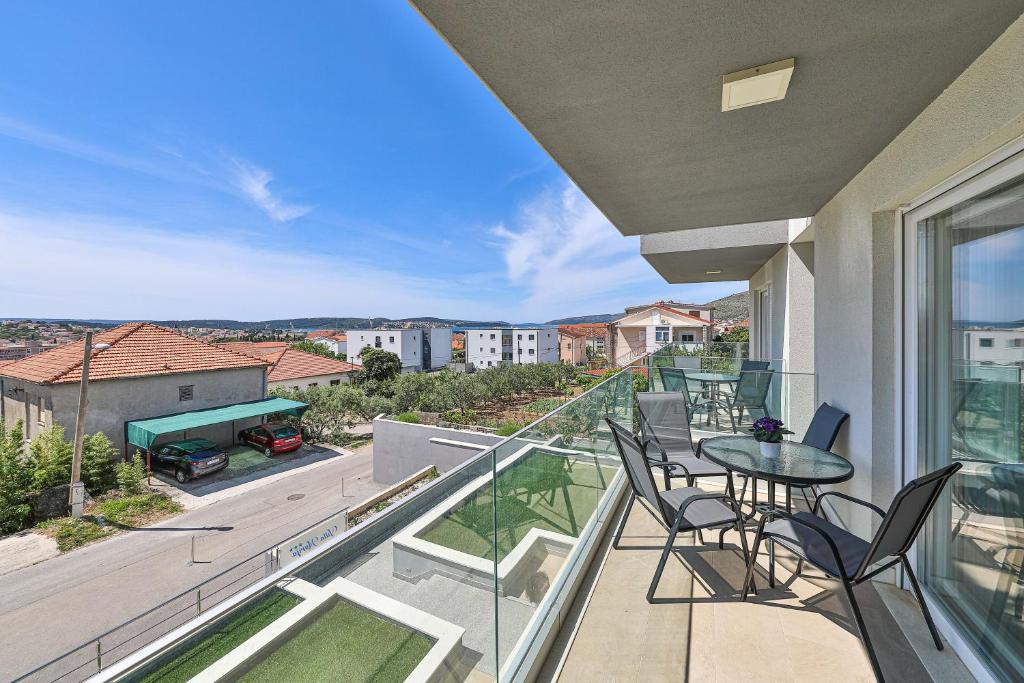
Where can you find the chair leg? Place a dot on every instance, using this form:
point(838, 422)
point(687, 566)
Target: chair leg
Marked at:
point(748, 582)
point(622, 522)
point(700, 537)
point(920, 599)
point(803, 492)
point(771, 563)
point(855, 608)
point(664, 558)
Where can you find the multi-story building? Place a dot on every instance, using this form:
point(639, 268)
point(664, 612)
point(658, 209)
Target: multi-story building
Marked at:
point(644, 329)
point(420, 349)
point(487, 348)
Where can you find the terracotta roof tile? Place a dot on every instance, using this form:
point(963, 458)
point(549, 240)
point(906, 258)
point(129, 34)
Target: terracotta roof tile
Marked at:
point(288, 363)
point(136, 349)
point(294, 364)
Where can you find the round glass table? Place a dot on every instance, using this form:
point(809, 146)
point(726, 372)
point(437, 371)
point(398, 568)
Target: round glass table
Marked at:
point(712, 380)
point(797, 463)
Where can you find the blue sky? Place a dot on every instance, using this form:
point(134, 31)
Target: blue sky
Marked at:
point(256, 160)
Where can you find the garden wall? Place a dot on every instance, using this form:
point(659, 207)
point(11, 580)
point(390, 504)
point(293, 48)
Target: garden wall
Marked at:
point(401, 449)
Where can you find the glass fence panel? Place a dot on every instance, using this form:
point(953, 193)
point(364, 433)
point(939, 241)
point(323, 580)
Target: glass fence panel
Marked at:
point(556, 487)
point(462, 580)
point(728, 398)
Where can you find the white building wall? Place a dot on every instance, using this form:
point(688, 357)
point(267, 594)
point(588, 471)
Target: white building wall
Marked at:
point(484, 348)
point(440, 347)
point(856, 237)
point(406, 344)
point(316, 380)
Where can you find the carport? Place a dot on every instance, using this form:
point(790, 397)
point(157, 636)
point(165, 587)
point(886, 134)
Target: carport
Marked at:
point(143, 433)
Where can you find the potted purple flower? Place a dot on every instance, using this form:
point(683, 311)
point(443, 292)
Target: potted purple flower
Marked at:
point(769, 432)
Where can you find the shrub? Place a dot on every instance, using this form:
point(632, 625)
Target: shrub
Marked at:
point(16, 480)
point(411, 418)
point(131, 476)
point(98, 473)
point(51, 455)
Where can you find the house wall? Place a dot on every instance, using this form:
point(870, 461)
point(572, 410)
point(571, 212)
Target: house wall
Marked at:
point(114, 402)
point(790, 276)
point(543, 348)
point(855, 254)
point(572, 350)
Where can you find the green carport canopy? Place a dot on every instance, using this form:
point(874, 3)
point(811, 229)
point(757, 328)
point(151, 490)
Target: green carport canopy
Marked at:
point(143, 433)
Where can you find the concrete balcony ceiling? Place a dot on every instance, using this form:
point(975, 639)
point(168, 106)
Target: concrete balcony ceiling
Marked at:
point(719, 254)
point(626, 97)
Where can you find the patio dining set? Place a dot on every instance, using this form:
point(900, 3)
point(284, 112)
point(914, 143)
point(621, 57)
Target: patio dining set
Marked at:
point(713, 392)
point(665, 445)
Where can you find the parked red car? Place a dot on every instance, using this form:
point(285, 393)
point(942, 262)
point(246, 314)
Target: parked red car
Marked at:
point(272, 439)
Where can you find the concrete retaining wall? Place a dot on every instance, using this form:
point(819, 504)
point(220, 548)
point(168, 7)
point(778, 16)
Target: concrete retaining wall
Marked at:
point(401, 449)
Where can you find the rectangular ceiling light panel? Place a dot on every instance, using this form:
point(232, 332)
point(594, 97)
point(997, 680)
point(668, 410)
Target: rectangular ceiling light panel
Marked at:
point(756, 85)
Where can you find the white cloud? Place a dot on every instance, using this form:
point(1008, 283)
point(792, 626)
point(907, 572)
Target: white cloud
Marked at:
point(568, 256)
point(101, 267)
point(253, 182)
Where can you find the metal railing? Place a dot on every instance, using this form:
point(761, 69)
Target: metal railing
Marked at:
point(100, 652)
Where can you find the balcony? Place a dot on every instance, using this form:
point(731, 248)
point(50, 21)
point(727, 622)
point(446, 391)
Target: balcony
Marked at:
point(502, 570)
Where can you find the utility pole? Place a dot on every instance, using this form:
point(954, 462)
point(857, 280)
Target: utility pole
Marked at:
point(76, 495)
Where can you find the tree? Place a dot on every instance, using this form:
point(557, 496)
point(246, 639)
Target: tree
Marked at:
point(737, 334)
point(313, 347)
point(16, 480)
point(379, 365)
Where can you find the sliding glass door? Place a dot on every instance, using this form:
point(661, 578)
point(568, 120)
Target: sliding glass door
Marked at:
point(970, 355)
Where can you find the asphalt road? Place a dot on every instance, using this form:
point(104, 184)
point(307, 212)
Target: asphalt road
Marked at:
point(48, 608)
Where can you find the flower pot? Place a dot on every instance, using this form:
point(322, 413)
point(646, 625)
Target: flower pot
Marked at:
point(770, 450)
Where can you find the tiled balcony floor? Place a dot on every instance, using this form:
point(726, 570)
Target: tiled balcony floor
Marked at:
point(800, 630)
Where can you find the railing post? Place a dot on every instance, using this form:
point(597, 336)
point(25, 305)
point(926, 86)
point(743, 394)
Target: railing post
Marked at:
point(99, 655)
point(199, 601)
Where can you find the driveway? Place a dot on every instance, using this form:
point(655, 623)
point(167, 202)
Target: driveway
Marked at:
point(59, 604)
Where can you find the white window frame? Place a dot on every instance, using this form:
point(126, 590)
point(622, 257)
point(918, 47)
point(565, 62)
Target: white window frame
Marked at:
point(999, 167)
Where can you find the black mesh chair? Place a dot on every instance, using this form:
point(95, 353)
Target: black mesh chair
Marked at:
point(822, 433)
point(680, 509)
point(849, 558)
point(674, 380)
point(751, 391)
point(665, 431)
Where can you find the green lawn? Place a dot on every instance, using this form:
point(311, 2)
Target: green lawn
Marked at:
point(346, 643)
point(538, 492)
point(228, 635)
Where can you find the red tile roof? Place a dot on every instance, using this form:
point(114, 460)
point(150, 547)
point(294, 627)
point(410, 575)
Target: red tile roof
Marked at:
point(136, 350)
point(674, 311)
point(288, 363)
point(591, 330)
point(317, 334)
point(295, 364)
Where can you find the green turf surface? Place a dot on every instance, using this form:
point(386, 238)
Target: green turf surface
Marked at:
point(244, 458)
point(539, 492)
point(345, 643)
point(225, 637)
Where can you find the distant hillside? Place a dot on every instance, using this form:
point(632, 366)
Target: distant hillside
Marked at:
point(581, 319)
point(732, 307)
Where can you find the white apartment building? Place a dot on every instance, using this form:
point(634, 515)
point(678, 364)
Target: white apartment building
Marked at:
point(419, 349)
point(488, 348)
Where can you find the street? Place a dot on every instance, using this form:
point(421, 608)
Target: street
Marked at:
point(53, 606)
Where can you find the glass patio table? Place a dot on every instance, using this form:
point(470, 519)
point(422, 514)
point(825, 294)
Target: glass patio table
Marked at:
point(797, 463)
point(713, 380)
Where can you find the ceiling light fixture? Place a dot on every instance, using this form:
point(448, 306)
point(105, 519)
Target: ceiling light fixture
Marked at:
point(756, 85)
point(712, 272)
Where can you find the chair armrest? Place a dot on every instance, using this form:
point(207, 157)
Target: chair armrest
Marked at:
point(666, 466)
point(858, 501)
